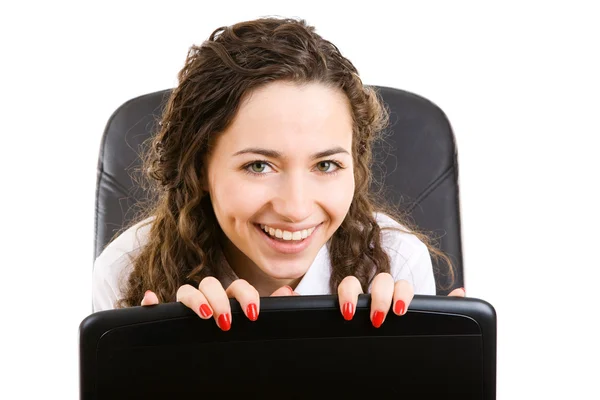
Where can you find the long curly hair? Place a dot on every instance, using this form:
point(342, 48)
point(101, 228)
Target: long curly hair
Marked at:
point(182, 244)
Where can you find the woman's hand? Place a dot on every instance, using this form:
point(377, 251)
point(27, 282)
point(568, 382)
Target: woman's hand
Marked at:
point(211, 300)
point(384, 291)
point(460, 292)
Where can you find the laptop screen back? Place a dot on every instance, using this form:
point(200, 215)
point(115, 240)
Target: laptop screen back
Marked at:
point(299, 348)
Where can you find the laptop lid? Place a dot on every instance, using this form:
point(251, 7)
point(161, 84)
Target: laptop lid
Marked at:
point(300, 347)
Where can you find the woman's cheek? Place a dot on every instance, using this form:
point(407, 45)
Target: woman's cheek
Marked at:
point(336, 197)
point(242, 198)
point(342, 191)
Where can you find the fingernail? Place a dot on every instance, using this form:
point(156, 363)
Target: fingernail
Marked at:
point(290, 288)
point(399, 307)
point(464, 290)
point(224, 322)
point(348, 311)
point(146, 292)
point(252, 312)
point(377, 318)
point(205, 311)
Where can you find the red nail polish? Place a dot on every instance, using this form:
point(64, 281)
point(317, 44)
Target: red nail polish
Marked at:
point(252, 312)
point(224, 322)
point(400, 307)
point(378, 317)
point(348, 311)
point(205, 311)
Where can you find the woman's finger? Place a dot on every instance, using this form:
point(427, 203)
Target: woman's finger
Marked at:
point(382, 292)
point(284, 291)
point(212, 289)
point(348, 292)
point(150, 298)
point(403, 295)
point(195, 300)
point(247, 296)
point(460, 292)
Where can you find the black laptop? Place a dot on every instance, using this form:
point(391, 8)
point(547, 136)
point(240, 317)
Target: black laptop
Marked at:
point(299, 348)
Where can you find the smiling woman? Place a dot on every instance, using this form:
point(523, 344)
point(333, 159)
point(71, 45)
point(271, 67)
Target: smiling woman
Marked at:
point(278, 153)
point(262, 169)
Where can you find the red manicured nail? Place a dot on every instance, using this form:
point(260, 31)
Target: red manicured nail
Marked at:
point(348, 311)
point(224, 322)
point(400, 307)
point(377, 318)
point(205, 311)
point(252, 312)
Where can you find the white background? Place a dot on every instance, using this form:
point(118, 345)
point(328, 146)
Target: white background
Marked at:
point(519, 82)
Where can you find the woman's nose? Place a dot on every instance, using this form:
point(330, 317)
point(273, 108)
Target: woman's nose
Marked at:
point(295, 199)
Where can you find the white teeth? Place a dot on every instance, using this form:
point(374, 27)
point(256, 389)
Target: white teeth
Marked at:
point(286, 235)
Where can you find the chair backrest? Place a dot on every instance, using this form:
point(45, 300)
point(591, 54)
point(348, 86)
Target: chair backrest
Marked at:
point(417, 165)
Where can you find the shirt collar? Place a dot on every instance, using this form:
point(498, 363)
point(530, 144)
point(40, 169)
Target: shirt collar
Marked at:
point(316, 279)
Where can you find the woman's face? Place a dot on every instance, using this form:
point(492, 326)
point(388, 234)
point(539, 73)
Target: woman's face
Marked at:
point(281, 178)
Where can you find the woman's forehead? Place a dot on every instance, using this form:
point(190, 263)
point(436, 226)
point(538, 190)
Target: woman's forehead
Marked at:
point(290, 117)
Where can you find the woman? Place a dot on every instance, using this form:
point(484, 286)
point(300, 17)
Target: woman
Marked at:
point(261, 171)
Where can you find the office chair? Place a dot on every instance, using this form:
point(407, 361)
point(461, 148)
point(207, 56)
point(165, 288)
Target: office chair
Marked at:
point(416, 164)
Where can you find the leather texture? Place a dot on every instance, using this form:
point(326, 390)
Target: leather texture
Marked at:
point(416, 163)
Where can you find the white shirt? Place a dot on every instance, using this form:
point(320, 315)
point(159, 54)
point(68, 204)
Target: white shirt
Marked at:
point(409, 260)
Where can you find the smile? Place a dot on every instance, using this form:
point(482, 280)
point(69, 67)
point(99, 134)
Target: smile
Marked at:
point(287, 235)
point(287, 242)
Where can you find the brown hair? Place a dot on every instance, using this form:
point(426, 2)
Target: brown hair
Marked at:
point(182, 245)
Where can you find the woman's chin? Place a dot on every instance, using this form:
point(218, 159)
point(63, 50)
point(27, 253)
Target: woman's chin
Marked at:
point(285, 271)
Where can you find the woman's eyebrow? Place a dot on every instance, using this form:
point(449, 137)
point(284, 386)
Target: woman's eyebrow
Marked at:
point(276, 154)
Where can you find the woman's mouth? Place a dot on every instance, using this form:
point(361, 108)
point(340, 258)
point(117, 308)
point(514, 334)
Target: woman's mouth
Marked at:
point(283, 235)
point(287, 242)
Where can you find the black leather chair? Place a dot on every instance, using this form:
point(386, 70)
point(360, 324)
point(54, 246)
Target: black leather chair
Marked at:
point(417, 165)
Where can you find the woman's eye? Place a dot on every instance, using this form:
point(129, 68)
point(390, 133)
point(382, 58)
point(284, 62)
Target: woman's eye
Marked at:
point(325, 166)
point(258, 167)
